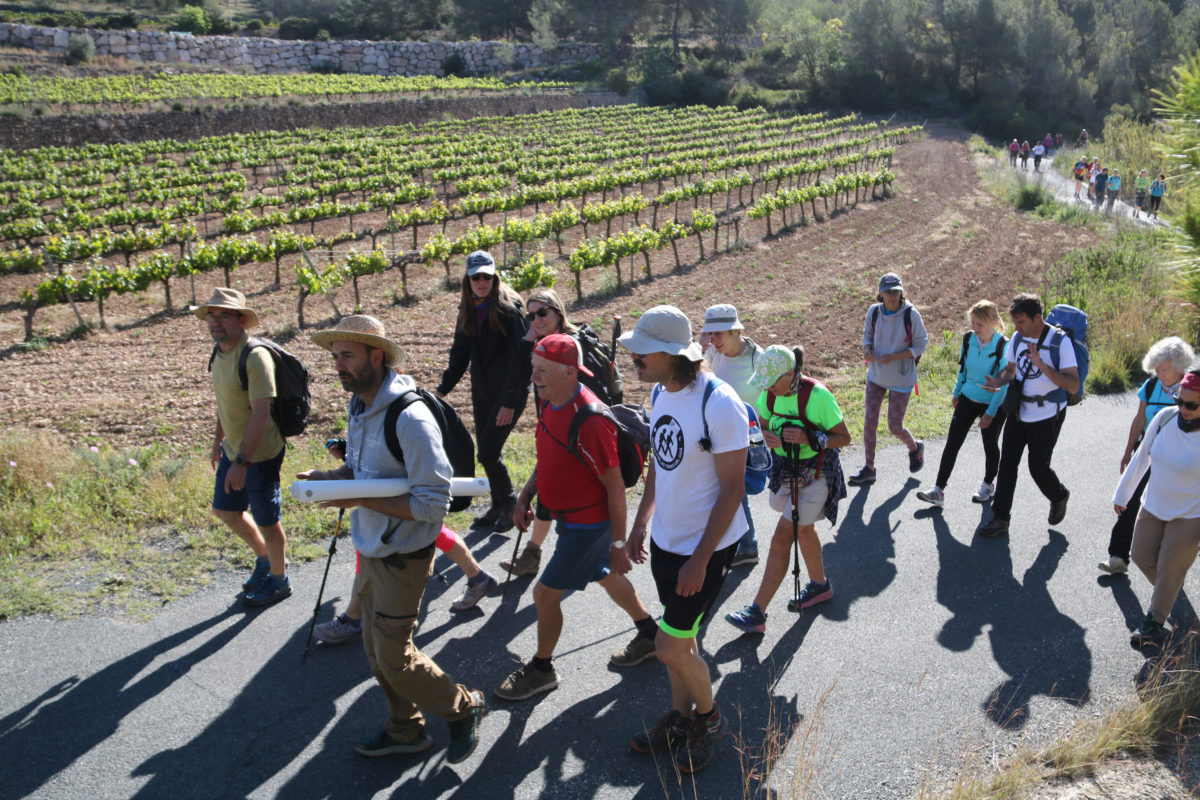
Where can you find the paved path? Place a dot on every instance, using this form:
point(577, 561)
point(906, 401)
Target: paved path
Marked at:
point(936, 642)
point(1063, 189)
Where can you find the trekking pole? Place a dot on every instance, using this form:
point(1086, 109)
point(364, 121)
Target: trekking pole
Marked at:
point(612, 350)
point(792, 454)
point(513, 563)
point(317, 608)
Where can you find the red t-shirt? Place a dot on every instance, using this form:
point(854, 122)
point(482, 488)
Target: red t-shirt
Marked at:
point(570, 482)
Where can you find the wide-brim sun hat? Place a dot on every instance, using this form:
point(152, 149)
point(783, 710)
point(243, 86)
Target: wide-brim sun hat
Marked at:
point(364, 329)
point(230, 300)
point(662, 329)
point(480, 262)
point(721, 317)
point(771, 365)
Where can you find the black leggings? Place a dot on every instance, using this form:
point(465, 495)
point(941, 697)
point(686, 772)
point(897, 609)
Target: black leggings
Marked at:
point(965, 414)
point(1121, 538)
point(1040, 437)
point(489, 441)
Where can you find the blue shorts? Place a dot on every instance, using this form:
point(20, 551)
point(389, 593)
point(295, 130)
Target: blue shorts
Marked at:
point(262, 493)
point(580, 556)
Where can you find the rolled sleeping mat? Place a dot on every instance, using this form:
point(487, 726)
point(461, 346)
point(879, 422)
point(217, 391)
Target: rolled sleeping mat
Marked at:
point(321, 491)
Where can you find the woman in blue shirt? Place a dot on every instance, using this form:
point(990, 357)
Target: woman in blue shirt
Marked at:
point(982, 356)
point(1169, 359)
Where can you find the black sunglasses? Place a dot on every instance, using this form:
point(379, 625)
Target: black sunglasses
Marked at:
point(1190, 406)
point(479, 276)
point(539, 314)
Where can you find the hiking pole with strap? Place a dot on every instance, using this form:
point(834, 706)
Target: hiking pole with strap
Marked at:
point(321, 591)
point(792, 454)
point(516, 548)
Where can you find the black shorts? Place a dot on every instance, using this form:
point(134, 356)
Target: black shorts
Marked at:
point(682, 615)
point(541, 512)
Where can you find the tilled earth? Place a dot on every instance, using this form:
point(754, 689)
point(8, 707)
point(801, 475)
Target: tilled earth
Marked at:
point(144, 378)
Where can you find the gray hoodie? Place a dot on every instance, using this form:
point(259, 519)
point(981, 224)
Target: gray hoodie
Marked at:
point(425, 465)
point(884, 334)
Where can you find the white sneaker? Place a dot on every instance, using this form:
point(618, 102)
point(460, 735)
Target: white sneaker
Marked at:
point(1114, 566)
point(986, 492)
point(934, 496)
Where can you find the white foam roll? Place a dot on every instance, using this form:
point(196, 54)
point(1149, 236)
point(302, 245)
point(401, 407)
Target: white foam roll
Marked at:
point(320, 491)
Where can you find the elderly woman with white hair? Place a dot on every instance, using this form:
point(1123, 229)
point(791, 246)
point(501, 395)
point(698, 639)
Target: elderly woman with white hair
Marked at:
point(1169, 360)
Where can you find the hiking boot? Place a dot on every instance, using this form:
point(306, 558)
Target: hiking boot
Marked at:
point(488, 518)
point(1114, 566)
point(916, 458)
point(526, 682)
point(262, 568)
point(504, 522)
point(934, 496)
point(668, 732)
point(481, 588)
point(527, 563)
point(703, 737)
point(639, 649)
point(1058, 510)
point(382, 744)
point(986, 492)
point(464, 733)
point(271, 592)
point(744, 557)
point(1150, 632)
point(863, 477)
point(338, 630)
point(997, 527)
point(812, 594)
point(750, 619)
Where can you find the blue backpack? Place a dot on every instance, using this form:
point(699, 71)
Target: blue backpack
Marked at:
point(1071, 322)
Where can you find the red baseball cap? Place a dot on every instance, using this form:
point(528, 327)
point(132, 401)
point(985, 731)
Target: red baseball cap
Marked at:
point(561, 349)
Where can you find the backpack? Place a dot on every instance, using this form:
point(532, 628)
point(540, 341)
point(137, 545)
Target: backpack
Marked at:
point(908, 338)
point(456, 439)
point(1068, 321)
point(292, 402)
point(1001, 342)
point(758, 455)
point(807, 385)
point(597, 357)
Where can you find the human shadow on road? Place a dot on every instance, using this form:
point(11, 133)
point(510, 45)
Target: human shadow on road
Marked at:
point(48, 735)
point(1041, 649)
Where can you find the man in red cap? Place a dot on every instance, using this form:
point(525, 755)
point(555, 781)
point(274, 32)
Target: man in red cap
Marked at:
point(582, 486)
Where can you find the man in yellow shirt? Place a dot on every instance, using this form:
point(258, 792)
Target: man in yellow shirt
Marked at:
point(247, 451)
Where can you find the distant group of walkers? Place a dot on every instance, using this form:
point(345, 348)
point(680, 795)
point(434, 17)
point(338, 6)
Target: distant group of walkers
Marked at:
point(1042, 148)
point(723, 414)
point(1104, 187)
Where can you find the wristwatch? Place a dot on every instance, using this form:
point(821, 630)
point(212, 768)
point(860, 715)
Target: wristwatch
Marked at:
point(240, 460)
point(619, 544)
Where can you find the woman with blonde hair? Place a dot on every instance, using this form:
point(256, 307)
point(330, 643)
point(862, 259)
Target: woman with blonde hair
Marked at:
point(982, 357)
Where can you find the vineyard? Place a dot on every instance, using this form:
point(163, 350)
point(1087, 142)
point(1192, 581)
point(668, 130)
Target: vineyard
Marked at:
point(592, 193)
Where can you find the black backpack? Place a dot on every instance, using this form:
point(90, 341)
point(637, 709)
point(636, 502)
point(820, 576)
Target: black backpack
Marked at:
point(1001, 343)
point(633, 435)
point(456, 439)
point(597, 357)
point(292, 402)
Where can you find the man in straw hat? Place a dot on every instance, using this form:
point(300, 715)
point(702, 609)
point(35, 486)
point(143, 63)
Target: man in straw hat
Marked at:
point(395, 537)
point(694, 488)
point(247, 450)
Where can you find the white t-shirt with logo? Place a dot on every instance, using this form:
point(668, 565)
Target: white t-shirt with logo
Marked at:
point(1036, 383)
point(685, 475)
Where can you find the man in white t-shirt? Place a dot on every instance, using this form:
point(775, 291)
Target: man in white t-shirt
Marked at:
point(692, 499)
point(1043, 370)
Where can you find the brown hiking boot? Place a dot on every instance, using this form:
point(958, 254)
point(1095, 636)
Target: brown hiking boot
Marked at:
point(668, 732)
point(527, 563)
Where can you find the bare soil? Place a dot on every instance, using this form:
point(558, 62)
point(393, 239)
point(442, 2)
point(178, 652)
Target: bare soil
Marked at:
point(144, 379)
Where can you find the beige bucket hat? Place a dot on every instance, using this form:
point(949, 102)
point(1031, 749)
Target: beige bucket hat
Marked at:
point(231, 300)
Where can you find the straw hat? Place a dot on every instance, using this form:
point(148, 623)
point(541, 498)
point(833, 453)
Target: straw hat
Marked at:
point(230, 299)
point(365, 329)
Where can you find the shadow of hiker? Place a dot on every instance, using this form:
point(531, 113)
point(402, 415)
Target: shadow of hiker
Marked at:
point(276, 715)
point(1041, 649)
point(76, 715)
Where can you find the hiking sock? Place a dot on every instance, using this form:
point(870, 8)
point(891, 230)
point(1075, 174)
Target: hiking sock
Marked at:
point(264, 560)
point(713, 714)
point(542, 664)
point(646, 627)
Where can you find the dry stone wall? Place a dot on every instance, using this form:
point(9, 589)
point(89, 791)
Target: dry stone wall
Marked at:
point(277, 56)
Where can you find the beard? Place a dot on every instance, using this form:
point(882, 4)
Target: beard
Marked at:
point(360, 381)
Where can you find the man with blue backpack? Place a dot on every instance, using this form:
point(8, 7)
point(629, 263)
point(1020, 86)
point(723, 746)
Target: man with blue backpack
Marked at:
point(1045, 374)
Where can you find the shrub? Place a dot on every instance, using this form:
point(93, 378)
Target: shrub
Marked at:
point(119, 22)
point(454, 64)
point(80, 48)
point(323, 36)
point(590, 70)
point(618, 81)
point(254, 26)
point(294, 28)
point(193, 20)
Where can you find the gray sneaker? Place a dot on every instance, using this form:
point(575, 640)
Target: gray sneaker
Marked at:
point(638, 650)
point(339, 630)
point(527, 563)
point(526, 682)
point(475, 592)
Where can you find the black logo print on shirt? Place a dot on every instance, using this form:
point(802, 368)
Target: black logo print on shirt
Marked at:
point(667, 438)
point(1025, 365)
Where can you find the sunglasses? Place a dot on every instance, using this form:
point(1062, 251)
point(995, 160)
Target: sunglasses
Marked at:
point(539, 314)
point(1190, 406)
point(481, 277)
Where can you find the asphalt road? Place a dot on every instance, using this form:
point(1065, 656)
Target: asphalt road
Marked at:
point(938, 648)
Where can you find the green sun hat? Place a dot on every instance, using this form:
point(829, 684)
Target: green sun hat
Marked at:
point(774, 362)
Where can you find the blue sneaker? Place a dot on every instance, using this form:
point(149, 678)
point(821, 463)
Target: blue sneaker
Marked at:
point(750, 619)
point(271, 592)
point(262, 568)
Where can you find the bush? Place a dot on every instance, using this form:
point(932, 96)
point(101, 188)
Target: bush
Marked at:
point(618, 81)
point(454, 64)
point(323, 36)
point(80, 48)
point(254, 26)
point(590, 70)
point(295, 28)
point(193, 20)
point(120, 22)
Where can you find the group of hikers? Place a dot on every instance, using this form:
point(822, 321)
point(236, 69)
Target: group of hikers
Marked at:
point(1104, 186)
point(726, 418)
point(1042, 148)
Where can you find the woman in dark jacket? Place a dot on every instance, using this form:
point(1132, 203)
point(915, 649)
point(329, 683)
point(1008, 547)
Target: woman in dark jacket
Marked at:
point(487, 337)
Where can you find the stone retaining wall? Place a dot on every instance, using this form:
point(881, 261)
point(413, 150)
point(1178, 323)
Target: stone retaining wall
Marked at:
point(277, 56)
